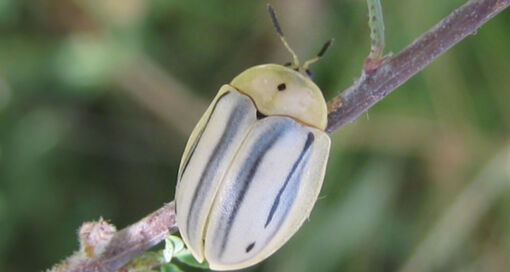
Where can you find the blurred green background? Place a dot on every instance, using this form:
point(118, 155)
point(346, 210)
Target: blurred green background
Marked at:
point(98, 97)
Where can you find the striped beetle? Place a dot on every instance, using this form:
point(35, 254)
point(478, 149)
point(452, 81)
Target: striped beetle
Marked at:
point(254, 164)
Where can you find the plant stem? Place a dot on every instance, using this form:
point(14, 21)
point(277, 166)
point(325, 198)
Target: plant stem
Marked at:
point(376, 25)
point(126, 243)
point(372, 87)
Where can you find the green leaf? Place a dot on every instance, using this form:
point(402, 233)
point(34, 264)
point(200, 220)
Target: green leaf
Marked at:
point(185, 257)
point(145, 262)
point(178, 243)
point(170, 268)
point(168, 252)
point(173, 245)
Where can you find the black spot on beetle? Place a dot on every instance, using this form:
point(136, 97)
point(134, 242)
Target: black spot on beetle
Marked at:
point(250, 247)
point(260, 115)
point(282, 87)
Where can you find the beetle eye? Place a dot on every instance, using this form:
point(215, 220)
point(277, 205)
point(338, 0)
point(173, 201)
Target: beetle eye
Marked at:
point(282, 87)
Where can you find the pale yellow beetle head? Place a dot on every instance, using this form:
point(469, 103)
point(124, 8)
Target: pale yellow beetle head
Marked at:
point(279, 90)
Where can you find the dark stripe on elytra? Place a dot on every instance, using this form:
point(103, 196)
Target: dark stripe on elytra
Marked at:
point(192, 151)
point(250, 247)
point(242, 182)
point(308, 143)
point(214, 160)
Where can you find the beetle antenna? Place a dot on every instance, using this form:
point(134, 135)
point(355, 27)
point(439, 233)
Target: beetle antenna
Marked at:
point(278, 29)
point(319, 56)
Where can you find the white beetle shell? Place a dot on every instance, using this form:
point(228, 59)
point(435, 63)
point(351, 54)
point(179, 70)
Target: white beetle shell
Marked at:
point(253, 167)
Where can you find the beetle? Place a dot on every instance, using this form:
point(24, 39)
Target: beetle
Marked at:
point(254, 164)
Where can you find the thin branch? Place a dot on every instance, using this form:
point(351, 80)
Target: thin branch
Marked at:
point(369, 89)
point(125, 244)
point(372, 87)
point(376, 56)
point(376, 25)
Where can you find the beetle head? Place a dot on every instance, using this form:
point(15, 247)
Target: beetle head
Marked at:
point(279, 90)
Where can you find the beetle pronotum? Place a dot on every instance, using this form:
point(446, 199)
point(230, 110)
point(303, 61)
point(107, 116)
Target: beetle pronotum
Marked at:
point(254, 164)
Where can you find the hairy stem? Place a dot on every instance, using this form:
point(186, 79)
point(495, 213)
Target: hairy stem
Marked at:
point(125, 244)
point(376, 25)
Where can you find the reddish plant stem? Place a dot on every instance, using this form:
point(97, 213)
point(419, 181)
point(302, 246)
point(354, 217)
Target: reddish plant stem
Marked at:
point(373, 86)
point(126, 243)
